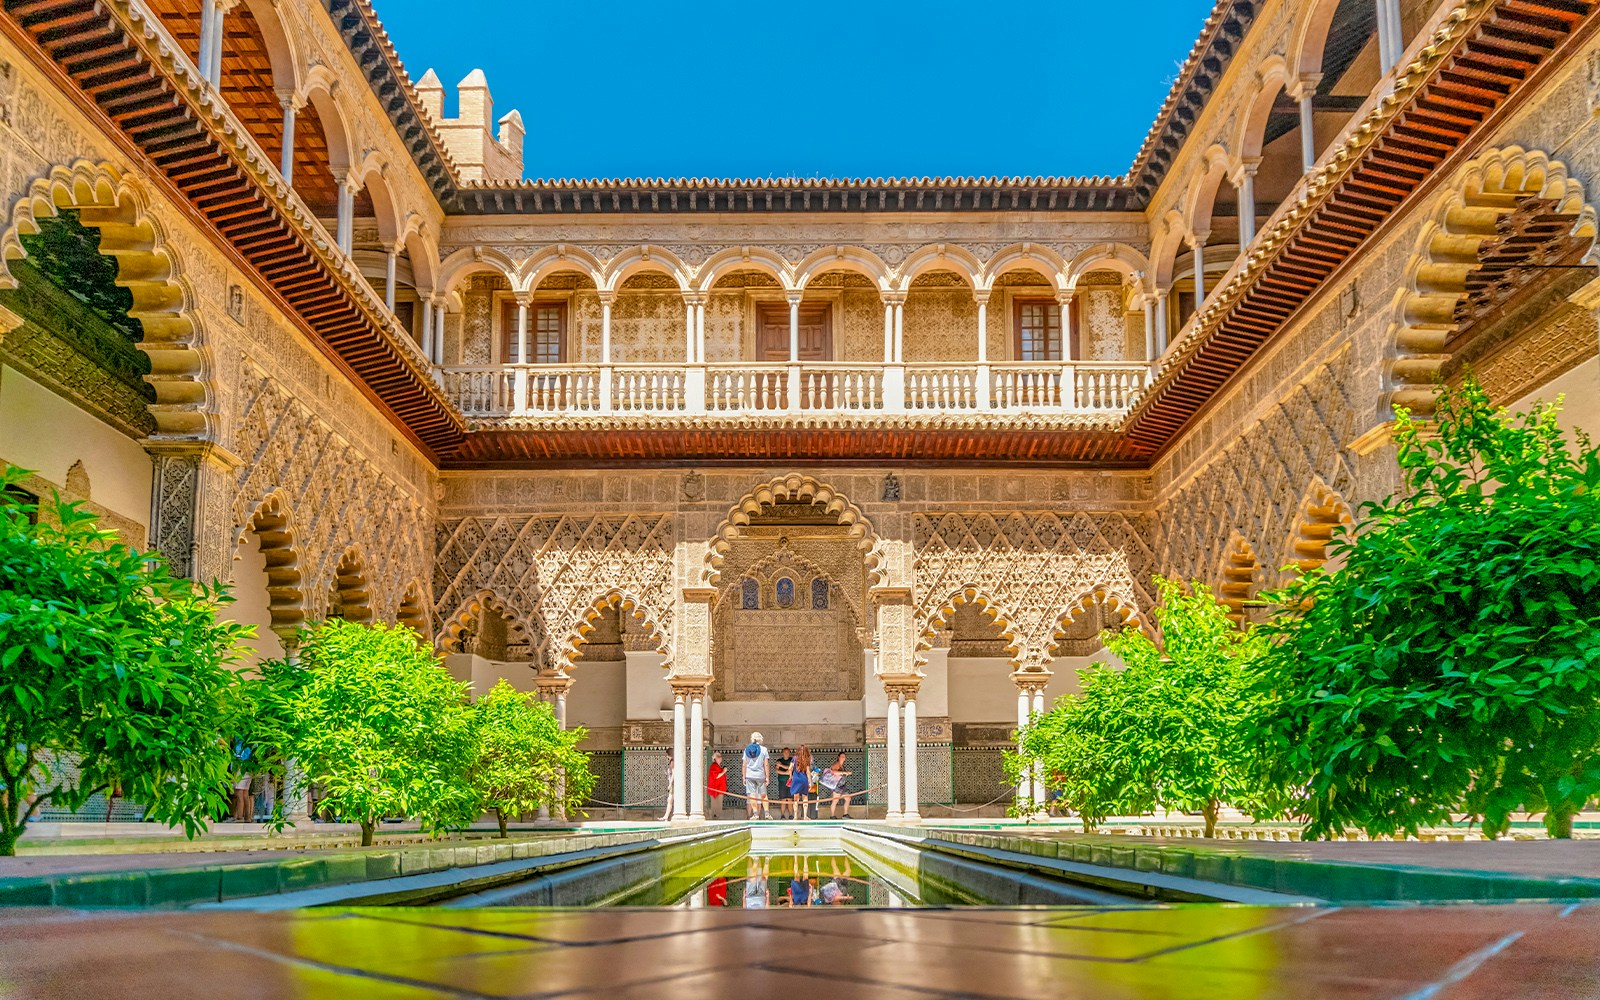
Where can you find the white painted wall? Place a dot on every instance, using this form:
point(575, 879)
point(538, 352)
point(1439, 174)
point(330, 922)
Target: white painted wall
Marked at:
point(43, 432)
point(981, 691)
point(484, 674)
point(599, 694)
point(250, 601)
point(648, 692)
point(1581, 408)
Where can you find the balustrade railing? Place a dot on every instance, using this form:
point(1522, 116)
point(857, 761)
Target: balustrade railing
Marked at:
point(551, 390)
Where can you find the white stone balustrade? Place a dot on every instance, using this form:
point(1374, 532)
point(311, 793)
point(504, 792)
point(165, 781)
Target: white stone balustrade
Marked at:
point(552, 390)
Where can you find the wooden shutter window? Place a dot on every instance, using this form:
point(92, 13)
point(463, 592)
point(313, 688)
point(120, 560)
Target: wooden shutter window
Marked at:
point(547, 333)
point(1038, 330)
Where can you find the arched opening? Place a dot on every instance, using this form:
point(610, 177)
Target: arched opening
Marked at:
point(1501, 256)
point(349, 593)
point(970, 648)
point(314, 160)
point(1110, 317)
point(1340, 49)
point(734, 302)
point(1183, 304)
point(1271, 150)
point(266, 579)
point(412, 611)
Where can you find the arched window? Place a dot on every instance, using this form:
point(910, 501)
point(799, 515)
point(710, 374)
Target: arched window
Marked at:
point(784, 592)
point(749, 596)
point(819, 594)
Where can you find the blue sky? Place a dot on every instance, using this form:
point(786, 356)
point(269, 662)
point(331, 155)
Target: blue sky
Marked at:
point(865, 89)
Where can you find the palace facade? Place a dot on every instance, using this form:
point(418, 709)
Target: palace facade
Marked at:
point(864, 464)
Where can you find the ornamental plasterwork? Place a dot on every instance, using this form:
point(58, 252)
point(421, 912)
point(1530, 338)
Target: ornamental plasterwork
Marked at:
point(1033, 567)
point(551, 570)
point(338, 500)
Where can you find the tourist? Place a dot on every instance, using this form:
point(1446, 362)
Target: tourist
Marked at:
point(716, 786)
point(755, 884)
point(833, 779)
point(667, 816)
point(785, 769)
point(801, 889)
point(800, 781)
point(757, 773)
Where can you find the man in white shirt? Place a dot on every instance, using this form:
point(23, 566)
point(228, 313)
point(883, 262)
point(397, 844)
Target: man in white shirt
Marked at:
point(757, 773)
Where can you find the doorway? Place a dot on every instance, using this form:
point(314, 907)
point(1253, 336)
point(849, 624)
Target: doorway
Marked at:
point(772, 332)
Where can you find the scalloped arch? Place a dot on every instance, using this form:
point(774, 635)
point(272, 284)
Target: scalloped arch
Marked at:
point(1322, 513)
point(272, 522)
point(991, 608)
point(1119, 604)
point(624, 602)
point(793, 487)
point(163, 302)
point(471, 610)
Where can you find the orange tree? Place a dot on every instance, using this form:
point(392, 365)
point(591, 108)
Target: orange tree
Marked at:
point(1452, 665)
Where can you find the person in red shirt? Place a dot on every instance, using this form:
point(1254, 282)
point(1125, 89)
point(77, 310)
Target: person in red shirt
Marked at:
point(716, 787)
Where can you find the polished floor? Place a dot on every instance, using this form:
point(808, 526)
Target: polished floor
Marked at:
point(1405, 953)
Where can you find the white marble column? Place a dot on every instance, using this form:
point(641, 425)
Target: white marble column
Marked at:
point(1064, 304)
point(208, 33)
point(900, 331)
point(1197, 244)
point(522, 331)
point(389, 266)
point(680, 753)
point(427, 327)
point(438, 332)
point(1389, 42)
point(794, 328)
point(697, 755)
point(1305, 92)
point(892, 766)
point(981, 377)
point(1245, 185)
point(1162, 299)
point(888, 332)
point(688, 329)
point(912, 807)
point(344, 229)
point(219, 33)
point(699, 331)
point(286, 155)
point(1149, 302)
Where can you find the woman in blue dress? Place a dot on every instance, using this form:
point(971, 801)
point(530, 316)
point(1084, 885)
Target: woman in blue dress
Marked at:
point(800, 781)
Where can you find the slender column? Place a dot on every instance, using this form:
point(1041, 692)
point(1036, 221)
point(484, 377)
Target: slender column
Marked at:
point(1149, 326)
point(794, 328)
point(606, 298)
point(700, 331)
point(213, 68)
point(286, 157)
point(1388, 34)
point(345, 228)
point(1024, 784)
point(888, 331)
point(900, 331)
point(680, 751)
point(388, 278)
point(1246, 186)
point(1197, 242)
point(519, 375)
point(1064, 303)
point(981, 377)
point(688, 330)
point(697, 755)
point(522, 331)
point(1396, 31)
point(892, 734)
point(912, 804)
point(208, 32)
point(1305, 92)
point(543, 694)
point(438, 333)
point(1162, 298)
point(427, 328)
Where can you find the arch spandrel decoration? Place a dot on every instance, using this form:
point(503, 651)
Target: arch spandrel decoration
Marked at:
point(1033, 564)
point(119, 207)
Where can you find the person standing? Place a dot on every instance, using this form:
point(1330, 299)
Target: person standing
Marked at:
point(716, 786)
point(833, 779)
point(667, 816)
point(800, 781)
point(785, 768)
point(757, 774)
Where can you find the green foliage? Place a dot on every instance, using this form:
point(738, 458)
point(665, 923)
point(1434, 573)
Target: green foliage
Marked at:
point(1450, 666)
point(372, 718)
point(105, 657)
point(1165, 730)
point(524, 759)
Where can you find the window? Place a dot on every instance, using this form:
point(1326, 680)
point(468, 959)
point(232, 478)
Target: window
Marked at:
point(784, 592)
point(1038, 326)
point(547, 333)
point(749, 596)
point(819, 595)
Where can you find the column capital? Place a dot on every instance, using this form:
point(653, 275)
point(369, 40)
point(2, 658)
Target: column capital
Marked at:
point(1065, 296)
point(1247, 168)
point(889, 595)
point(893, 298)
point(902, 687)
point(981, 295)
point(550, 685)
point(699, 595)
point(607, 296)
point(690, 687)
point(694, 298)
point(290, 100)
point(1196, 240)
point(1031, 682)
point(794, 296)
point(1305, 86)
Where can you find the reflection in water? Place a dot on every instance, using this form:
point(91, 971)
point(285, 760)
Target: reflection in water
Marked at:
point(758, 881)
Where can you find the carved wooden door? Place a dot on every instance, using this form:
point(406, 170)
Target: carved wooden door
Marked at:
point(816, 333)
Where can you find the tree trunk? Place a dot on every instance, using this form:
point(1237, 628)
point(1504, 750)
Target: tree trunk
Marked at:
point(1087, 826)
point(1560, 825)
point(500, 814)
point(367, 826)
point(8, 843)
point(1210, 813)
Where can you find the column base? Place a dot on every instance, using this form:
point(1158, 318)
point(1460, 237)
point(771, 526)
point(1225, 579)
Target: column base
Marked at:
point(911, 817)
point(687, 821)
point(894, 817)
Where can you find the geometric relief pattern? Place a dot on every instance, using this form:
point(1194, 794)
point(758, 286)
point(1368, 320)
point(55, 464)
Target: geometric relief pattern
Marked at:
point(334, 496)
point(551, 570)
point(1253, 491)
point(1032, 567)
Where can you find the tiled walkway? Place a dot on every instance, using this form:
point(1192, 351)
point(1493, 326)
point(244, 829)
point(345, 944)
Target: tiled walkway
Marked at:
point(1416, 953)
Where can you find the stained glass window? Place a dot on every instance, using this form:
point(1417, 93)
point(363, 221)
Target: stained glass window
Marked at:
point(785, 592)
point(749, 596)
point(819, 595)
